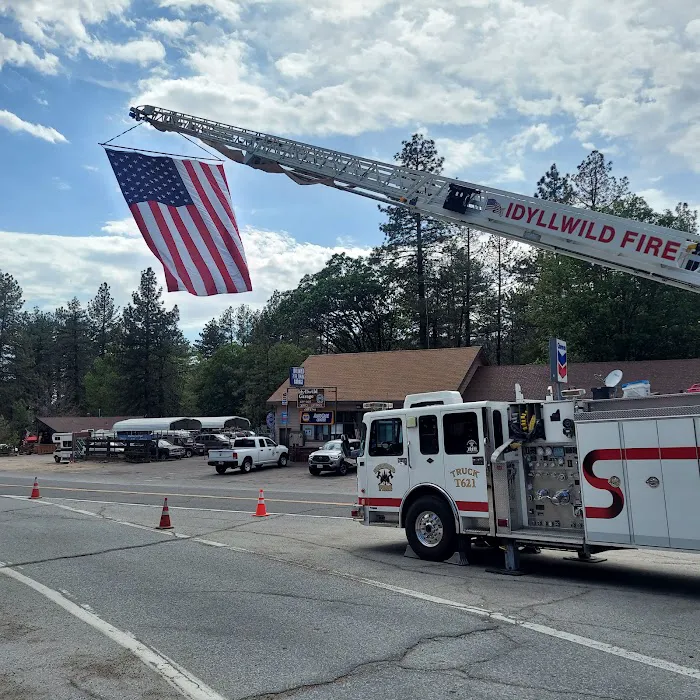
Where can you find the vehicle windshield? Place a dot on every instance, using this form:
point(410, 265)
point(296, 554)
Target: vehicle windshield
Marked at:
point(332, 445)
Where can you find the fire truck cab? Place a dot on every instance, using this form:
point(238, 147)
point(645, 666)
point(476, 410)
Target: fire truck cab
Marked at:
point(585, 475)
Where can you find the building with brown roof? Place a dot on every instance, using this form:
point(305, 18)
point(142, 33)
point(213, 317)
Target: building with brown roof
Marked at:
point(351, 379)
point(497, 383)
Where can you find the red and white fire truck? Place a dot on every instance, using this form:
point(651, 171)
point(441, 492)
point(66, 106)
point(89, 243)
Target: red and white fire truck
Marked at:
point(585, 475)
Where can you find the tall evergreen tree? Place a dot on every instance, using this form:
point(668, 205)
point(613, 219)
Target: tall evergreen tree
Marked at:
point(555, 187)
point(73, 343)
point(151, 349)
point(11, 303)
point(103, 315)
point(410, 236)
point(211, 338)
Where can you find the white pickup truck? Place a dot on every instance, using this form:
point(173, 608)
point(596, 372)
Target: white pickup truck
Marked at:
point(249, 452)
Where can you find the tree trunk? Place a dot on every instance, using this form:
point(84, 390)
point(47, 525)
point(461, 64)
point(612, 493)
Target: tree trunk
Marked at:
point(420, 265)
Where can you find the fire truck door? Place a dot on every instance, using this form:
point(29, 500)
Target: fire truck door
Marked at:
point(645, 483)
point(386, 463)
point(465, 462)
point(426, 458)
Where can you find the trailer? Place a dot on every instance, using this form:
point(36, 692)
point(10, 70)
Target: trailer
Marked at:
point(581, 475)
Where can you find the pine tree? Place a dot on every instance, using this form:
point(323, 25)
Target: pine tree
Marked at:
point(73, 343)
point(11, 303)
point(151, 353)
point(103, 316)
point(409, 236)
point(555, 187)
point(211, 338)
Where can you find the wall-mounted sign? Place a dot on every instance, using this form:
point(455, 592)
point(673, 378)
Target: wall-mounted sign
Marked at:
point(296, 376)
point(316, 417)
point(283, 418)
point(311, 399)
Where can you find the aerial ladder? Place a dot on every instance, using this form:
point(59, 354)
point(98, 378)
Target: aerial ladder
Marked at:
point(663, 254)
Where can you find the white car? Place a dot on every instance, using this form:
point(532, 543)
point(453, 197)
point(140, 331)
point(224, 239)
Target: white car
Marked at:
point(330, 458)
point(249, 452)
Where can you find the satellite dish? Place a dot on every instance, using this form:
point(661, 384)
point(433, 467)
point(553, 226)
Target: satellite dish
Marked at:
point(614, 378)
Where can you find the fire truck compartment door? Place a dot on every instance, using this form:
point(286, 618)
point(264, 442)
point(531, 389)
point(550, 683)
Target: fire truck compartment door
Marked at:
point(386, 463)
point(679, 462)
point(645, 483)
point(465, 462)
point(602, 486)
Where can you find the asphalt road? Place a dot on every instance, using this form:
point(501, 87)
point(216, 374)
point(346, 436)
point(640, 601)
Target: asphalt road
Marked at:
point(95, 603)
point(186, 483)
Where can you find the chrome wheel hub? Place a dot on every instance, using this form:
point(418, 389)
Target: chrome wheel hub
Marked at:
point(429, 529)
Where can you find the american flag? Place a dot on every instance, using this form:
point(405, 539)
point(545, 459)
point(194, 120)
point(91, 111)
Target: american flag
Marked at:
point(494, 206)
point(183, 210)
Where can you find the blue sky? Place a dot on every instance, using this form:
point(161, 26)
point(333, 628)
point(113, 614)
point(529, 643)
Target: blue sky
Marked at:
point(505, 87)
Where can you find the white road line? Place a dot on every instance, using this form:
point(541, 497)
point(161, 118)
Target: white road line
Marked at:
point(186, 683)
point(604, 647)
point(151, 505)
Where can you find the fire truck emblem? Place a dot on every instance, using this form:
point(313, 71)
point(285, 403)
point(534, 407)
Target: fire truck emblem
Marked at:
point(384, 474)
point(472, 447)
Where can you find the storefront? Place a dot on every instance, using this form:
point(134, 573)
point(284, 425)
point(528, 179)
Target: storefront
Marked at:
point(337, 388)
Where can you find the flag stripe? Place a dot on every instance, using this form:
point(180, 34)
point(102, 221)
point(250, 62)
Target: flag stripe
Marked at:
point(172, 284)
point(163, 253)
point(220, 234)
point(229, 219)
point(220, 178)
point(207, 250)
point(214, 249)
point(205, 226)
point(180, 269)
point(224, 236)
point(203, 274)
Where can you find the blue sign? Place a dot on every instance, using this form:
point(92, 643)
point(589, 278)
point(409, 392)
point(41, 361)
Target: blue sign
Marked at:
point(270, 420)
point(296, 376)
point(283, 417)
point(316, 417)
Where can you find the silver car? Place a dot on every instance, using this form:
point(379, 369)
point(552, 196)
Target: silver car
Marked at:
point(330, 458)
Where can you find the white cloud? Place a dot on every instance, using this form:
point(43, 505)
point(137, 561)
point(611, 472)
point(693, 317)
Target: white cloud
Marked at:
point(91, 168)
point(659, 200)
point(228, 9)
point(172, 28)
point(12, 122)
point(61, 184)
point(142, 51)
point(463, 154)
point(122, 227)
point(51, 21)
point(538, 137)
point(66, 266)
point(512, 173)
point(22, 54)
point(41, 101)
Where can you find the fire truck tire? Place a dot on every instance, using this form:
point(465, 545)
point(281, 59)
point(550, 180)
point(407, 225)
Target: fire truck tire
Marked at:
point(430, 528)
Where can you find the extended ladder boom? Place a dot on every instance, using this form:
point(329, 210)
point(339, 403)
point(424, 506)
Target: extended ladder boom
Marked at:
point(663, 254)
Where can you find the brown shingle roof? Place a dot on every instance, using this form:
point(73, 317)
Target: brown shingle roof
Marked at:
point(76, 424)
point(498, 383)
point(389, 376)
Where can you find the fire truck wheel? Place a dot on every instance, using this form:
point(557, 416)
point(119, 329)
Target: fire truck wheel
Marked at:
point(430, 529)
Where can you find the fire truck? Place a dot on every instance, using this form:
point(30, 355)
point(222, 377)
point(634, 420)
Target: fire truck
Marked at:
point(586, 475)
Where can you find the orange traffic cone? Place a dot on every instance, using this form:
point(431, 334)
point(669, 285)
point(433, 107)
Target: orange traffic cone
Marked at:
point(35, 489)
point(165, 523)
point(261, 511)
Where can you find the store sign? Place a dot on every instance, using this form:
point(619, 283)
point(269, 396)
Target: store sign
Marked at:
point(316, 417)
point(296, 376)
point(311, 399)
